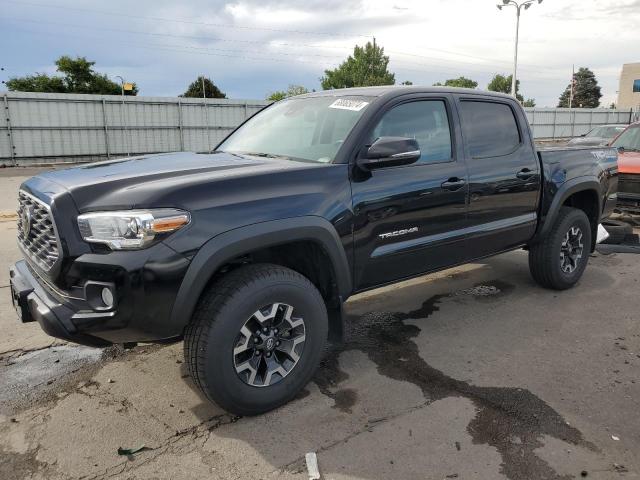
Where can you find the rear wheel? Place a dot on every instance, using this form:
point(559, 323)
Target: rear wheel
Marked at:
point(559, 260)
point(256, 338)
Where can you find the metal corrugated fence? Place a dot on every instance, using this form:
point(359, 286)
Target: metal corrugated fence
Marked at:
point(44, 127)
point(551, 123)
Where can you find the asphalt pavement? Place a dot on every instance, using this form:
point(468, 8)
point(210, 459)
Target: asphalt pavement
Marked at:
point(472, 373)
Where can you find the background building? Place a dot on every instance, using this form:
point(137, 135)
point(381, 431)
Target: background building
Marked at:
point(629, 91)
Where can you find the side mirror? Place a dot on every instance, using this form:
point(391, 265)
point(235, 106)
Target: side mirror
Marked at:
point(389, 152)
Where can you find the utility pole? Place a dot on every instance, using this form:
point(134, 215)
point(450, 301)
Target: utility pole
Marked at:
point(519, 6)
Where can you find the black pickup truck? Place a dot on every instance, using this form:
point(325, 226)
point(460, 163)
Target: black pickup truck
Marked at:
point(248, 253)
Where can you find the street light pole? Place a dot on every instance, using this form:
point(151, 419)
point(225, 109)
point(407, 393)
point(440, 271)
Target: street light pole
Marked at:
point(519, 7)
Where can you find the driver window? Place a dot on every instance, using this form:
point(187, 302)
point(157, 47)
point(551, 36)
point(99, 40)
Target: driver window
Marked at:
point(425, 121)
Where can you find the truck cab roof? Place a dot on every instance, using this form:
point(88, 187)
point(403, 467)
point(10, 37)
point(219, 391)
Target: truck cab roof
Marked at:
point(396, 90)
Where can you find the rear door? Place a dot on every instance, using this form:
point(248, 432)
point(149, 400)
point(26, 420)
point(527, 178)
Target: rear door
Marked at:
point(504, 175)
point(409, 219)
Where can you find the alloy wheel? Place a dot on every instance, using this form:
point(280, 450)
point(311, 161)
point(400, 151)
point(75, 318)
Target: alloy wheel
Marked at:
point(571, 250)
point(269, 345)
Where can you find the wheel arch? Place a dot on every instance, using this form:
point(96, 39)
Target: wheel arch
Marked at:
point(234, 244)
point(582, 193)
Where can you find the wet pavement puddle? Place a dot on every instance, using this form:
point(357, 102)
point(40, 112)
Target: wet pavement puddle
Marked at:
point(36, 375)
point(512, 420)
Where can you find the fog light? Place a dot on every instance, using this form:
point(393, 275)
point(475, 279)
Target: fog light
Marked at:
point(107, 297)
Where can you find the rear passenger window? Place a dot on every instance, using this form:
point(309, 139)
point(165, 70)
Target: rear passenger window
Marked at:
point(425, 121)
point(490, 128)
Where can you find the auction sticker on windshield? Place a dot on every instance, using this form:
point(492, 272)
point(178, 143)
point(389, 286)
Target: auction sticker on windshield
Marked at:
point(348, 104)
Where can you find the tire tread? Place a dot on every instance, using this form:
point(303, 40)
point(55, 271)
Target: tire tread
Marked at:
point(542, 256)
point(213, 301)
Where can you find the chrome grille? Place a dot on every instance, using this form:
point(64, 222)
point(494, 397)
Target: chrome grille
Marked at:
point(37, 232)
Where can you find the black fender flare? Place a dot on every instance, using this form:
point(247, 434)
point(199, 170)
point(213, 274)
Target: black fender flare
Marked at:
point(233, 243)
point(567, 189)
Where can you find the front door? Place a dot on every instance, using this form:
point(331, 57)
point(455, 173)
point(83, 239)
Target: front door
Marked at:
point(409, 219)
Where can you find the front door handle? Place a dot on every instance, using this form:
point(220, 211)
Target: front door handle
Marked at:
point(453, 184)
point(525, 174)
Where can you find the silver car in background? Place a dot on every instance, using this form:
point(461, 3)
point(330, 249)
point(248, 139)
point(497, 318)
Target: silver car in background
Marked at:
point(598, 136)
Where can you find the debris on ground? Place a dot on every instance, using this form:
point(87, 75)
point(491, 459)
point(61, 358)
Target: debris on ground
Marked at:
point(131, 451)
point(613, 437)
point(312, 466)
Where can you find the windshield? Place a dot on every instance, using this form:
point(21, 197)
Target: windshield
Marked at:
point(629, 140)
point(310, 128)
point(605, 132)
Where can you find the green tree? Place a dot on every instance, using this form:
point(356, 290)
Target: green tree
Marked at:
point(195, 89)
point(407, 82)
point(529, 102)
point(586, 92)
point(291, 91)
point(502, 83)
point(366, 67)
point(78, 77)
point(460, 82)
point(39, 82)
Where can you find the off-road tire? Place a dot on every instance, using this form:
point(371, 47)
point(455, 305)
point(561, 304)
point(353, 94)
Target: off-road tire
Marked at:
point(544, 256)
point(223, 309)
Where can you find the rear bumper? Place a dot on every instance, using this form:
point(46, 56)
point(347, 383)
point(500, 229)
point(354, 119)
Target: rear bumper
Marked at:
point(34, 304)
point(628, 203)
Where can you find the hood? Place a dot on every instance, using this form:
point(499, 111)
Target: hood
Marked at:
point(145, 168)
point(629, 162)
point(588, 142)
point(137, 182)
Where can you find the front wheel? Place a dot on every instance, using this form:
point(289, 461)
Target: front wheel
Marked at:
point(256, 338)
point(559, 260)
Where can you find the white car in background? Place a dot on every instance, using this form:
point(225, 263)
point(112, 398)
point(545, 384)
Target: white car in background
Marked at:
point(598, 136)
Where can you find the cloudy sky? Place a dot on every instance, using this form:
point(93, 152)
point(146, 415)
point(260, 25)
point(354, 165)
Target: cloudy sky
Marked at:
point(252, 47)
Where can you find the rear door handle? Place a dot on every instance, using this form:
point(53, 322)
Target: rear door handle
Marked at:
point(525, 174)
point(453, 184)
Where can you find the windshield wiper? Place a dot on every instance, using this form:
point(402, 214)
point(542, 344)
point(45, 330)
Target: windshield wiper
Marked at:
point(265, 155)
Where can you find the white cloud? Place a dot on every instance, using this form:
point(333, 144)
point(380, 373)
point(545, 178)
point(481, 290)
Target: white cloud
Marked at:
point(252, 47)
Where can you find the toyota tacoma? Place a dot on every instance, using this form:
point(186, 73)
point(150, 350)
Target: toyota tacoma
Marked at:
point(248, 253)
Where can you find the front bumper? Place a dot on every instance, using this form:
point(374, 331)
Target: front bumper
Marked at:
point(144, 284)
point(34, 304)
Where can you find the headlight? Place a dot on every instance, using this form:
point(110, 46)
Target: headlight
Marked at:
point(130, 229)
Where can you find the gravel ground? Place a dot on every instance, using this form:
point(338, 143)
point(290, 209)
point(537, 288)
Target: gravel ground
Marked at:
point(472, 373)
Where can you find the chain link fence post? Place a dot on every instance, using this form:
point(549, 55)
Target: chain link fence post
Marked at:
point(12, 147)
point(106, 128)
point(180, 126)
